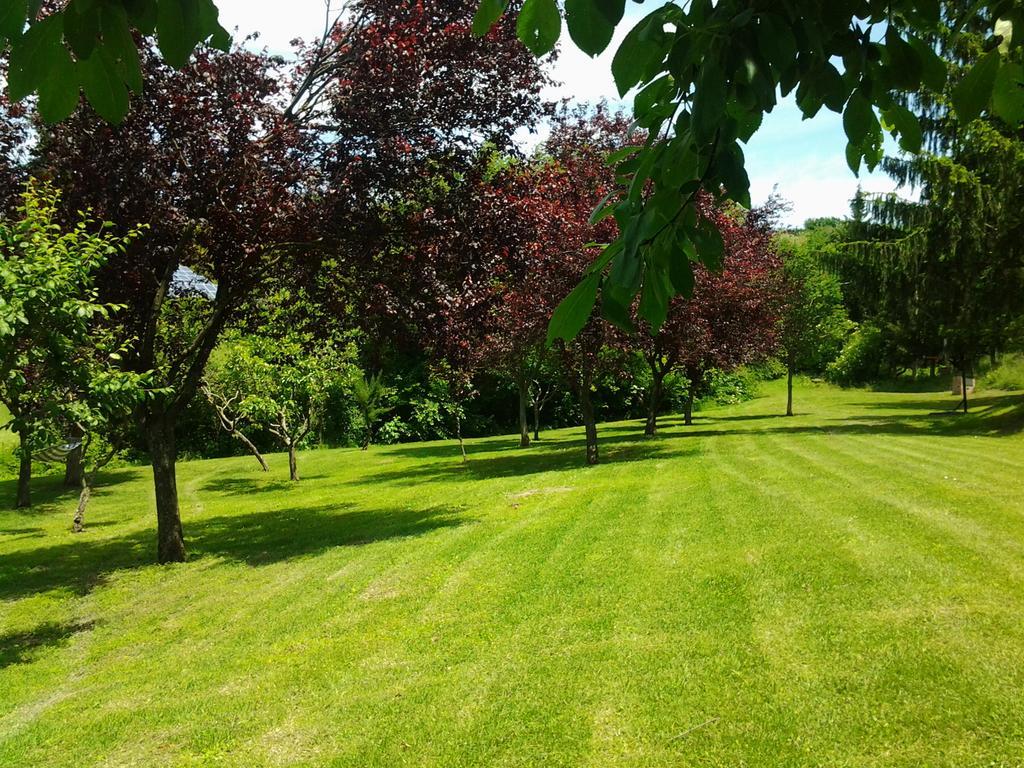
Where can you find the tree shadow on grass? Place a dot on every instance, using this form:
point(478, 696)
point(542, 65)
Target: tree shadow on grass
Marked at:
point(273, 536)
point(555, 456)
point(80, 565)
point(230, 486)
point(21, 647)
point(49, 489)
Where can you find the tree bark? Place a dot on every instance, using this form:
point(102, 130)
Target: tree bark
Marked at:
point(252, 449)
point(688, 408)
point(654, 403)
point(83, 501)
point(524, 397)
point(589, 423)
point(162, 455)
point(293, 463)
point(74, 467)
point(536, 419)
point(963, 385)
point(24, 499)
point(789, 388)
point(462, 443)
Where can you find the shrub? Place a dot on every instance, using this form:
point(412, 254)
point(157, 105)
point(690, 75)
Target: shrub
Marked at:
point(860, 359)
point(1008, 375)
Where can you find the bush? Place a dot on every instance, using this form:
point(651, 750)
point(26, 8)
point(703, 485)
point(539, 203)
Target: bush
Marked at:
point(730, 388)
point(860, 359)
point(1008, 375)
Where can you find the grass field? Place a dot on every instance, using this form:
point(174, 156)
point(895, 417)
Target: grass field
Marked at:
point(844, 588)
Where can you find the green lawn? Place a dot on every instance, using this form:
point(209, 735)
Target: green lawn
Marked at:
point(845, 588)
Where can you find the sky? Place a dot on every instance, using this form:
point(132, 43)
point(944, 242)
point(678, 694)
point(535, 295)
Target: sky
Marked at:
point(803, 160)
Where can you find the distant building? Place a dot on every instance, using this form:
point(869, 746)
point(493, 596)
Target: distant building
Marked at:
point(186, 282)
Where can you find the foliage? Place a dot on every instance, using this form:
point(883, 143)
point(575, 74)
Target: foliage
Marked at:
point(942, 275)
point(59, 50)
point(1008, 375)
point(373, 401)
point(861, 358)
point(59, 373)
point(815, 323)
point(708, 72)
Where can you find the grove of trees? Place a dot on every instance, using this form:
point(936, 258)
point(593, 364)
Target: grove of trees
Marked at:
point(380, 259)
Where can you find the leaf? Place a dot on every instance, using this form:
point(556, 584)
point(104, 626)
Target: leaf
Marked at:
point(574, 311)
point(934, 71)
point(171, 32)
point(119, 44)
point(539, 26)
point(103, 86)
point(973, 93)
point(1008, 93)
point(81, 27)
point(859, 119)
point(709, 245)
point(639, 55)
point(589, 27)
point(906, 124)
point(59, 92)
point(32, 56)
point(12, 18)
point(487, 16)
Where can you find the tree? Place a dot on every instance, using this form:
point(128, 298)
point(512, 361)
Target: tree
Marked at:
point(814, 323)
point(730, 318)
point(210, 164)
point(48, 314)
point(708, 72)
point(948, 266)
point(224, 385)
point(285, 385)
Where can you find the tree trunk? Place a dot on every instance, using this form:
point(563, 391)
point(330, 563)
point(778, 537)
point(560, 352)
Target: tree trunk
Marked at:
point(252, 449)
point(589, 423)
point(163, 455)
point(688, 408)
point(462, 443)
point(74, 467)
point(536, 419)
point(653, 405)
point(963, 385)
point(24, 500)
point(83, 502)
point(293, 464)
point(789, 389)
point(524, 425)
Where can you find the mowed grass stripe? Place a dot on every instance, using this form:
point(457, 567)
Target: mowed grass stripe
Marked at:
point(750, 590)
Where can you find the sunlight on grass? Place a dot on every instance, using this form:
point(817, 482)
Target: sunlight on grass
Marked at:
point(840, 588)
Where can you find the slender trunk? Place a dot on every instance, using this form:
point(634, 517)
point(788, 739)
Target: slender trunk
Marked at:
point(160, 440)
point(252, 449)
point(293, 464)
point(993, 357)
point(932, 370)
point(462, 443)
point(24, 500)
point(688, 408)
point(653, 405)
point(74, 467)
point(524, 425)
point(789, 389)
point(83, 501)
point(536, 419)
point(963, 385)
point(589, 423)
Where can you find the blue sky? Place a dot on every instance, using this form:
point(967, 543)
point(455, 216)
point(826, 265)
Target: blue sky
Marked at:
point(804, 159)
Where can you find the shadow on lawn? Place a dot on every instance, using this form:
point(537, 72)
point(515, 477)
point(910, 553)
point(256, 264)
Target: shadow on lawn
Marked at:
point(268, 537)
point(80, 564)
point(20, 647)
